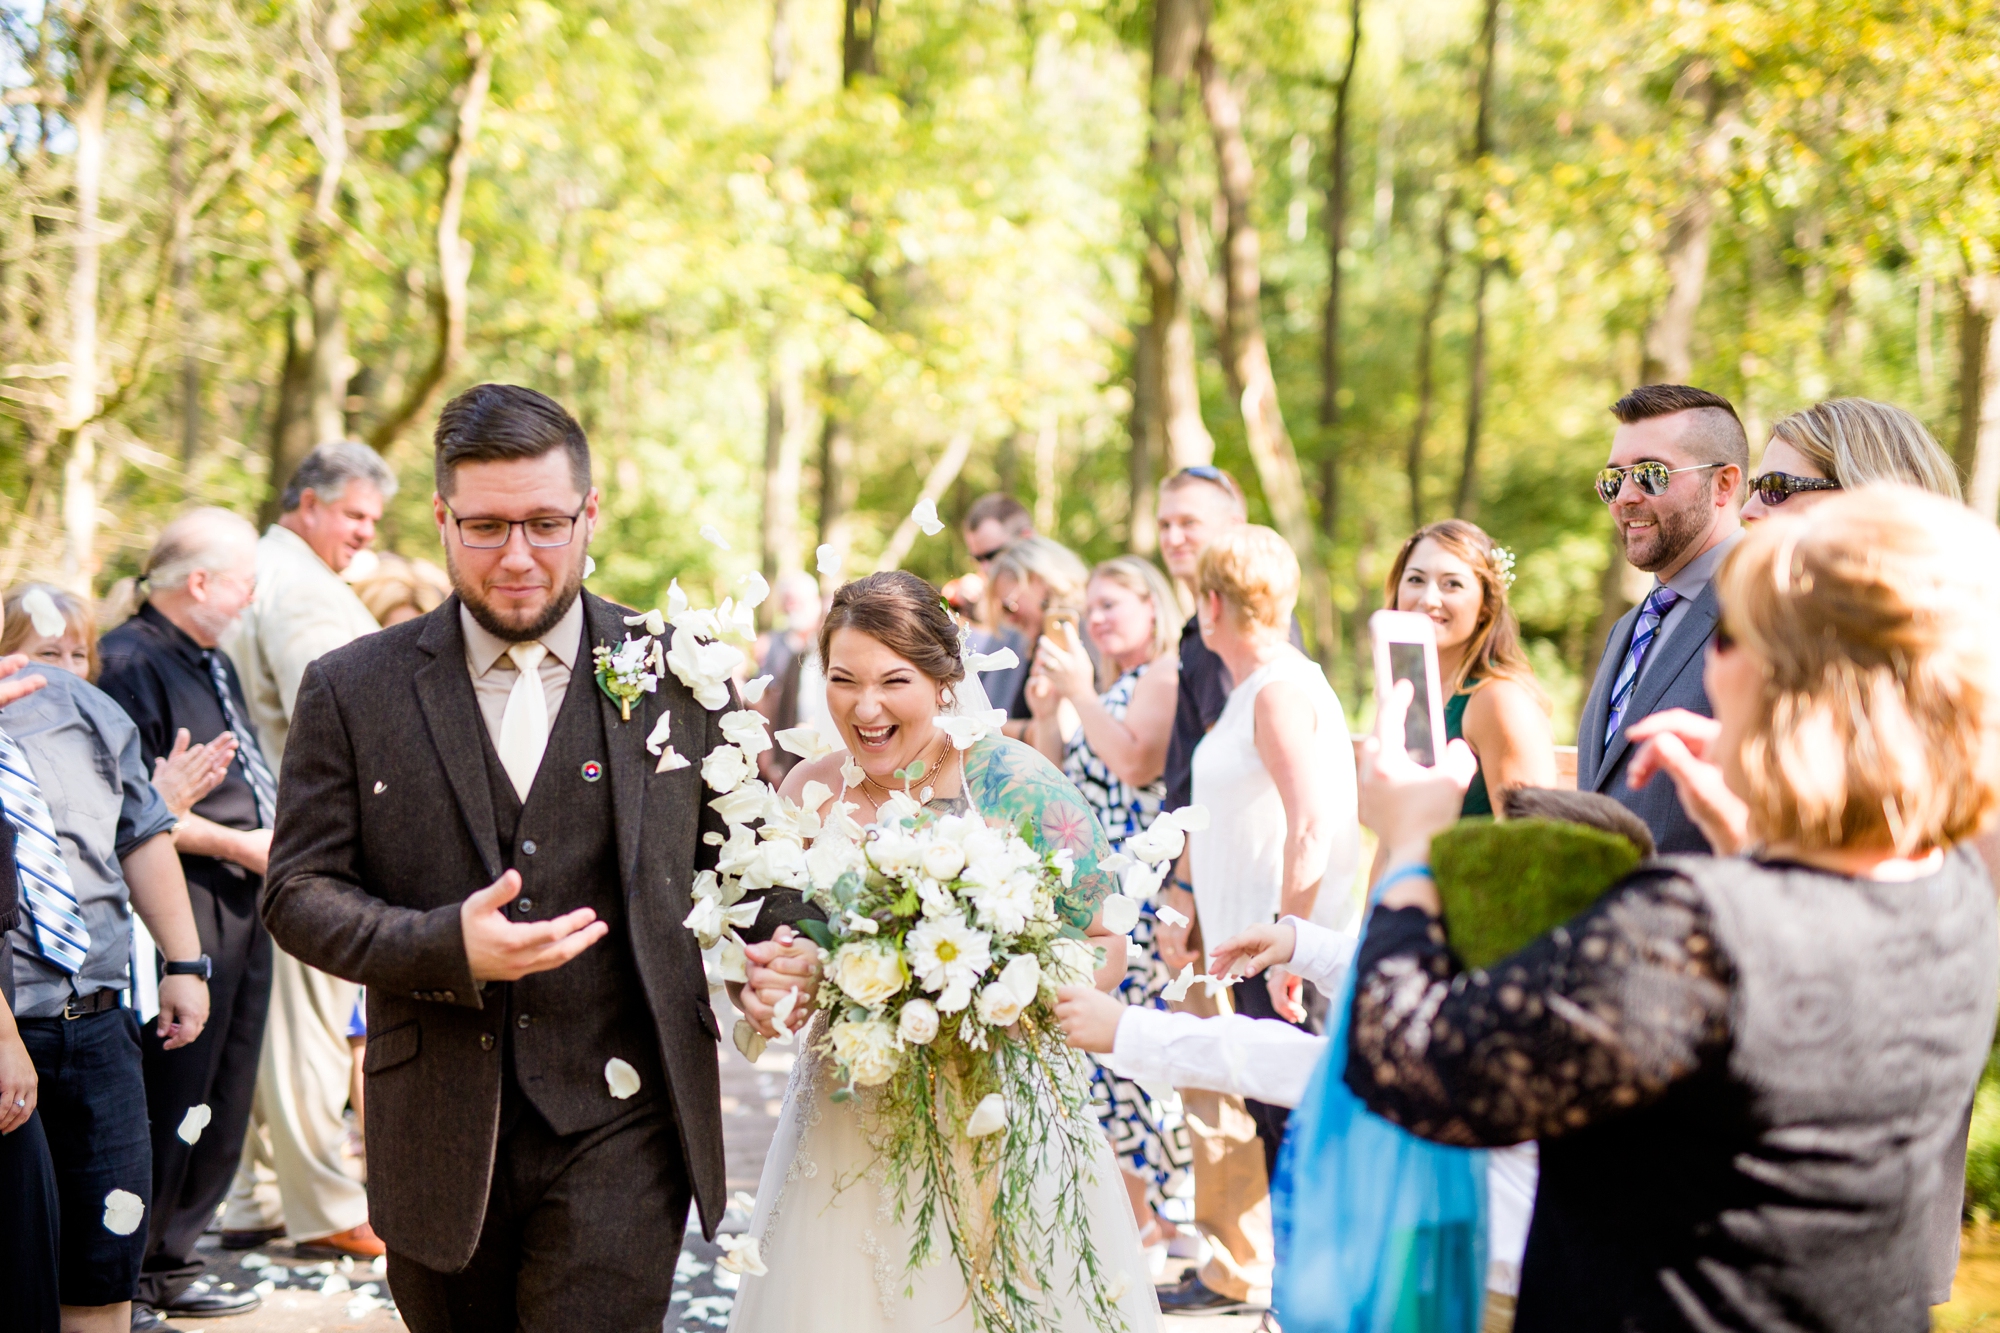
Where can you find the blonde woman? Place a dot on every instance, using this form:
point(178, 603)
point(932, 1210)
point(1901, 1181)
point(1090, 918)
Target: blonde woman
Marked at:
point(1743, 1041)
point(1841, 444)
point(1454, 574)
point(1117, 755)
point(1038, 585)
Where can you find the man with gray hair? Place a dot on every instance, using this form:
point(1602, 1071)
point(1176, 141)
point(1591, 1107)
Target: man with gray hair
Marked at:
point(292, 1176)
point(164, 668)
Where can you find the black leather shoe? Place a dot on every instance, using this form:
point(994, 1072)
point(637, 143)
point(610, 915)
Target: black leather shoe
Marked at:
point(1189, 1296)
point(204, 1299)
point(144, 1320)
point(250, 1240)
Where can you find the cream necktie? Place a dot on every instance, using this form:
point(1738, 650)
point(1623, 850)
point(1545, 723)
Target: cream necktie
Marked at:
point(524, 727)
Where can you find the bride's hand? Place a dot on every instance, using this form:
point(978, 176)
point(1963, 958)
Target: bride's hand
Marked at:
point(786, 962)
point(1089, 1018)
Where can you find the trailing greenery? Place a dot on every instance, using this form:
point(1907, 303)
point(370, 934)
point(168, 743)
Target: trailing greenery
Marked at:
point(1504, 884)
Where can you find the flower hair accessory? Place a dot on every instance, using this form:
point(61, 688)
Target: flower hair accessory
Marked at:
point(1502, 561)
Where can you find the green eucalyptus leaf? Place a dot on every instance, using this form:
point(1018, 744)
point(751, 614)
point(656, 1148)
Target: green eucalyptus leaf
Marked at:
point(816, 931)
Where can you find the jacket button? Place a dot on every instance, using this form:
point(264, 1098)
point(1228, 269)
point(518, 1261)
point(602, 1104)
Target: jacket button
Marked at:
point(522, 1021)
point(419, 995)
point(524, 905)
point(528, 847)
point(485, 1041)
point(449, 998)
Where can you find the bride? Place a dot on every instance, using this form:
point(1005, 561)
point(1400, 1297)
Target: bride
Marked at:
point(825, 1222)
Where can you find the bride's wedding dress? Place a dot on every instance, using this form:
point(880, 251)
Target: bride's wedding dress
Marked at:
point(826, 1226)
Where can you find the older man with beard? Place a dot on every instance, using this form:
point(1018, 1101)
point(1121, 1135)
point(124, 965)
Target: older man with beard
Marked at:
point(1674, 484)
point(164, 668)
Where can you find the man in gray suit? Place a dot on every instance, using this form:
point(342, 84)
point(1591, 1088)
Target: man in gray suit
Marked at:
point(1675, 485)
point(468, 826)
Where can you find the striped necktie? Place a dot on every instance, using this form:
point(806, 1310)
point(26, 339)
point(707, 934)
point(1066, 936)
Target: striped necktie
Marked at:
point(1644, 630)
point(52, 906)
point(247, 754)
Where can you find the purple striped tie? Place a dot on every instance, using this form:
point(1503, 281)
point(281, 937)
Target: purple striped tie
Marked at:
point(1644, 630)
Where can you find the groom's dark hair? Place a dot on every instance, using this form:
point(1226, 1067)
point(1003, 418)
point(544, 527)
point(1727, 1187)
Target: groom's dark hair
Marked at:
point(494, 422)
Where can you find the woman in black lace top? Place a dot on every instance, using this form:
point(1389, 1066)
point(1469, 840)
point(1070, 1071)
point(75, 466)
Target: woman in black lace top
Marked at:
point(1748, 1075)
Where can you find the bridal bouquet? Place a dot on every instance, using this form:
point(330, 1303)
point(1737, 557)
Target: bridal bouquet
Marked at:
point(944, 948)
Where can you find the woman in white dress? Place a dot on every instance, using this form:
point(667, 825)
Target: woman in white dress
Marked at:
point(1276, 774)
point(825, 1221)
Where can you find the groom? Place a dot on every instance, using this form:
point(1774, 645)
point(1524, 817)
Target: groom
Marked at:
point(468, 827)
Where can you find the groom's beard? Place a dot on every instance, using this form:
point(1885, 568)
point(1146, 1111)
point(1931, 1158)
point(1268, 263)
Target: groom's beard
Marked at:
point(517, 631)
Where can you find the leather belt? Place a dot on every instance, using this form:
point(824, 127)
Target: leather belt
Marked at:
point(97, 1002)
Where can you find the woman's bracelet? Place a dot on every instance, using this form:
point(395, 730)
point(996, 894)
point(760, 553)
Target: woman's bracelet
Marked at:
point(1397, 876)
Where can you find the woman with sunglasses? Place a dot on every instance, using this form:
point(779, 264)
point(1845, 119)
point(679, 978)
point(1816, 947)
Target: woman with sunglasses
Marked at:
point(1841, 444)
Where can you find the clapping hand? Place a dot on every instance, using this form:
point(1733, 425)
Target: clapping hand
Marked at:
point(501, 950)
point(188, 773)
point(1061, 661)
point(784, 963)
point(1679, 744)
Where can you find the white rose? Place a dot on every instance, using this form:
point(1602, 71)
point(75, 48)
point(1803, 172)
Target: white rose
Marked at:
point(869, 974)
point(727, 768)
point(918, 1023)
point(893, 851)
point(829, 859)
point(942, 860)
point(1023, 976)
point(1071, 962)
point(999, 1005)
point(868, 1049)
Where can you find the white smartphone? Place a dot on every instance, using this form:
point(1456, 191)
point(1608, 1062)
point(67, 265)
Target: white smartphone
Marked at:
point(1406, 649)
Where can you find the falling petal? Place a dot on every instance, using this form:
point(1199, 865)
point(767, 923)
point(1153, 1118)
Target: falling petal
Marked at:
point(753, 692)
point(966, 729)
point(814, 795)
point(624, 1079)
point(123, 1211)
point(781, 1014)
point(589, 566)
point(828, 561)
point(656, 739)
point(42, 614)
point(1000, 661)
point(989, 1117)
point(808, 743)
point(1176, 990)
point(193, 1123)
point(852, 773)
point(1169, 915)
point(740, 1255)
point(731, 964)
point(1214, 985)
point(1120, 914)
point(1115, 1289)
point(748, 1040)
point(714, 538)
point(654, 622)
point(1115, 863)
point(1143, 881)
point(1192, 818)
point(753, 590)
point(925, 516)
point(671, 759)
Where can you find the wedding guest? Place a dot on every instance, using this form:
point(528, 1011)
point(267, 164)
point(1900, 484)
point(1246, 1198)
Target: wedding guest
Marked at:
point(1454, 574)
point(992, 523)
point(1038, 583)
point(1116, 757)
point(1674, 485)
point(399, 589)
point(1752, 1026)
point(95, 841)
point(163, 667)
point(1276, 775)
point(1845, 443)
point(796, 695)
point(1197, 505)
point(293, 1179)
point(73, 648)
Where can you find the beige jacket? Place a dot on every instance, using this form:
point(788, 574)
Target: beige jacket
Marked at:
point(302, 611)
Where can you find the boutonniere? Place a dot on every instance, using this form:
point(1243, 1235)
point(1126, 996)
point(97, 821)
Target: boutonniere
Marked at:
point(632, 669)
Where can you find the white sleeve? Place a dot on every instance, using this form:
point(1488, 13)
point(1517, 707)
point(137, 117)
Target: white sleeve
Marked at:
point(1259, 1058)
point(1320, 955)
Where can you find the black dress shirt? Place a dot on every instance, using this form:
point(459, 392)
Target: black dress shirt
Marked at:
point(1205, 687)
point(161, 678)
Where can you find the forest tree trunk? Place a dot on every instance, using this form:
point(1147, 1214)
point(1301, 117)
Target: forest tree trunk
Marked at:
point(936, 482)
point(784, 460)
point(1467, 502)
point(1336, 241)
point(1413, 461)
point(857, 44)
point(838, 485)
point(1979, 393)
point(79, 505)
point(1669, 357)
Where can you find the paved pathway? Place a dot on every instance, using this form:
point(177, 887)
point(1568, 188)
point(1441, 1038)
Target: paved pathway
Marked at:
point(349, 1297)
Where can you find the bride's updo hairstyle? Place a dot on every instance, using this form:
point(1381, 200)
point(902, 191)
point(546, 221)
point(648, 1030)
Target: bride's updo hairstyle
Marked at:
point(902, 613)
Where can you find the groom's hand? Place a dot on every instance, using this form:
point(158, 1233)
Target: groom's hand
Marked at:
point(503, 950)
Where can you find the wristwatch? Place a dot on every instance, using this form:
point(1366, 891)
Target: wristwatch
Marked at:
point(201, 967)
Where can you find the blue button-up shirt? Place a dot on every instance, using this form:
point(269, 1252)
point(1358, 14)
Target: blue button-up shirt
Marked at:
point(85, 753)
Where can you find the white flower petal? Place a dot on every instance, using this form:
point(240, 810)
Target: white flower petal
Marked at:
point(781, 1014)
point(827, 560)
point(808, 743)
point(748, 1040)
point(989, 1117)
point(656, 739)
point(193, 1123)
point(753, 691)
point(741, 1256)
point(1116, 863)
point(814, 795)
point(727, 768)
point(966, 729)
point(1143, 881)
point(123, 1211)
point(1000, 661)
point(752, 590)
point(589, 566)
point(42, 614)
point(926, 516)
point(1119, 914)
point(711, 536)
point(654, 622)
point(1176, 990)
point(622, 1078)
point(671, 759)
point(1169, 915)
point(1192, 818)
point(1215, 985)
point(851, 772)
point(744, 729)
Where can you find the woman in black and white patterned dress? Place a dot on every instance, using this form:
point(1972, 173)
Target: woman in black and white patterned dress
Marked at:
point(1113, 746)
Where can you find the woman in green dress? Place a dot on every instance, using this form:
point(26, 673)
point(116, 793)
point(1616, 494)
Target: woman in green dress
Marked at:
point(1453, 573)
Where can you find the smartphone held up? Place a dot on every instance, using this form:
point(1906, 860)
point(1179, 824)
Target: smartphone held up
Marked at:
point(1406, 649)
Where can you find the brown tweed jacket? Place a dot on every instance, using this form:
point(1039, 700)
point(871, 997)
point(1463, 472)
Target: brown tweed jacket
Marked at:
point(385, 824)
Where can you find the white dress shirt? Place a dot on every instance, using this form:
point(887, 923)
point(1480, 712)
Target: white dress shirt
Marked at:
point(494, 672)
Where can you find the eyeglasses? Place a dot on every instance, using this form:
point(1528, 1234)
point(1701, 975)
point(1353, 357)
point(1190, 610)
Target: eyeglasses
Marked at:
point(490, 534)
point(1653, 477)
point(1774, 488)
point(1214, 476)
point(988, 557)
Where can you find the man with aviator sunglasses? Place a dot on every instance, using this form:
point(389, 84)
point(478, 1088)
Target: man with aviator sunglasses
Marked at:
point(1674, 485)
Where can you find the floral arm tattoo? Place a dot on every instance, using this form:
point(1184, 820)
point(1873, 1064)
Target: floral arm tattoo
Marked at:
point(1010, 781)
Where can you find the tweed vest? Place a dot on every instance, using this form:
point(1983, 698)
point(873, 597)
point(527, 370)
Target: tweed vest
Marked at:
point(563, 1025)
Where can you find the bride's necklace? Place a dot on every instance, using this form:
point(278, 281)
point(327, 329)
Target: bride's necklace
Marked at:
point(932, 770)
